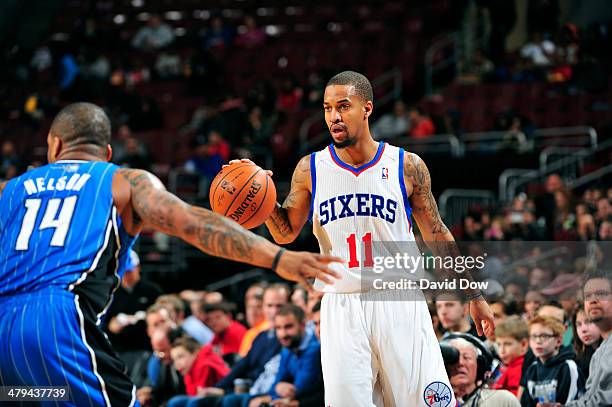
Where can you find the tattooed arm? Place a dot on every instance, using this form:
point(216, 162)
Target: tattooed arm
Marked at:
point(437, 236)
point(288, 219)
point(143, 201)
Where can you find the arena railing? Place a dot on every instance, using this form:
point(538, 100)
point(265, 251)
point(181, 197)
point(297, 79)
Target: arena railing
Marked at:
point(455, 203)
point(575, 136)
point(493, 141)
point(436, 144)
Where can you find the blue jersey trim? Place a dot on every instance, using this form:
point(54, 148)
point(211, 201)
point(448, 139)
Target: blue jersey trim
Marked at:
point(400, 175)
point(313, 181)
point(358, 170)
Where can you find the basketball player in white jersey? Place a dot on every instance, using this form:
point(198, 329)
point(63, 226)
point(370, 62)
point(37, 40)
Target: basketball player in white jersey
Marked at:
point(357, 190)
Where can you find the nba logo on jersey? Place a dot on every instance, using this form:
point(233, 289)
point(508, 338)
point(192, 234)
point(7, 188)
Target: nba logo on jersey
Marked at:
point(437, 394)
point(385, 173)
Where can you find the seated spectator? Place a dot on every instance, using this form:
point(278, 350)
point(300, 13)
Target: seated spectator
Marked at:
point(8, 158)
point(511, 338)
point(199, 366)
point(597, 295)
point(249, 35)
point(299, 297)
point(228, 333)
point(300, 371)
point(565, 287)
point(191, 325)
point(204, 163)
point(421, 125)
point(587, 339)
point(127, 329)
point(255, 319)
point(554, 375)
point(540, 277)
point(290, 95)
point(533, 301)
point(392, 124)
point(163, 381)
point(154, 35)
point(538, 51)
point(218, 36)
point(453, 316)
point(468, 378)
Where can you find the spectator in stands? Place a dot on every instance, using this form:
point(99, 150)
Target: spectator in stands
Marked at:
point(208, 160)
point(261, 363)
point(421, 124)
point(586, 228)
point(472, 228)
point(567, 53)
point(191, 324)
point(565, 220)
point(605, 230)
point(597, 294)
point(8, 159)
point(511, 338)
point(533, 301)
point(218, 36)
point(604, 210)
point(554, 375)
point(290, 95)
point(255, 319)
point(126, 316)
point(538, 51)
point(468, 381)
point(565, 288)
point(299, 297)
point(228, 333)
point(499, 311)
point(155, 35)
point(453, 315)
point(249, 35)
point(478, 69)
point(300, 371)
point(163, 380)
point(393, 124)
point(540, 277)
point(587, 339)
point(217, 145)
point(199, 366)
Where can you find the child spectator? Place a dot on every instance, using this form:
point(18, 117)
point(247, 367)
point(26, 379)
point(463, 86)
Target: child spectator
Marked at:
point(511, 337)
point(200, 368)
point(587, 338)
point(554, 375)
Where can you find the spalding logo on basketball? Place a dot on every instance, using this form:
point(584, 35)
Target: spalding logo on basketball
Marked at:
point(244, 193)
point(437, 394)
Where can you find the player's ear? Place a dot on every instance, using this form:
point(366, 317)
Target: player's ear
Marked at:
point(367, 108)
point(109, 152)
point(54, 147)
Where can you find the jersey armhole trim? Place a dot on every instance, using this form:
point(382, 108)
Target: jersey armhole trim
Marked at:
point(313, 181)
point(400, 175)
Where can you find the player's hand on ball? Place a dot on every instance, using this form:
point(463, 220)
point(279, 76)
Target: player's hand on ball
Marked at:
point(245, 160)
point(300, 266)
point(482, 317)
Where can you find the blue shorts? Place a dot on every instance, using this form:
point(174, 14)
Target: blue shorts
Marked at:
point(50, 338)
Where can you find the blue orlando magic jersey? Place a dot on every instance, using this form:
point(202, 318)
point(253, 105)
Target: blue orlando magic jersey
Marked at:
point(60, 229)
point(356, 207)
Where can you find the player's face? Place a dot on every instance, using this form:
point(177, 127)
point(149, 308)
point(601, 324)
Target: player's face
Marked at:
point(346, 114)
point(288, 330)
point(598, 300)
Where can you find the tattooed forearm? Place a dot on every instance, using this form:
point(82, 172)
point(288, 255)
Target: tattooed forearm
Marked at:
point(206, 230)
point(286, 221)
point(423, 204)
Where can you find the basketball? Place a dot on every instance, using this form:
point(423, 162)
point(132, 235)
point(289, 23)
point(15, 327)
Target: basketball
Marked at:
point(244, 193)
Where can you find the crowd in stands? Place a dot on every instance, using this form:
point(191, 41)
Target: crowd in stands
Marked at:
point(199, 348)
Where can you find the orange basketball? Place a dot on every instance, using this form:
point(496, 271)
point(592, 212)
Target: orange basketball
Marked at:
point(243, 192)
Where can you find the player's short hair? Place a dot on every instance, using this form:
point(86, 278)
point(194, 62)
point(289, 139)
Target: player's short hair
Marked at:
point(513, 327)
point(82, 123)
point(363, 87)
point(549, 322)
point(292, 309)
point(186, 342)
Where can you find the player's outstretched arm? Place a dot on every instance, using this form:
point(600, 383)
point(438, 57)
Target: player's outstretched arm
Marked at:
point(437, 236)
point(150, 204)
point(287, 220)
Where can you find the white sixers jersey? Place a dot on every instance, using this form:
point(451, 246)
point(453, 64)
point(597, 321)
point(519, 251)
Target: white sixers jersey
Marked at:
point(358, 206)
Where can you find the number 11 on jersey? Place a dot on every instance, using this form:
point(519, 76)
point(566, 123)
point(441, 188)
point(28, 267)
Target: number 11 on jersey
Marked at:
point(366, 239)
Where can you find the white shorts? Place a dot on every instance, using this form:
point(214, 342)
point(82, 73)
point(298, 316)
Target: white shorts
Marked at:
point(379, 349)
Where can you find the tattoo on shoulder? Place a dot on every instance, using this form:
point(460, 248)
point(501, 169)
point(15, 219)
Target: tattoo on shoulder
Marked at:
point(422, 199)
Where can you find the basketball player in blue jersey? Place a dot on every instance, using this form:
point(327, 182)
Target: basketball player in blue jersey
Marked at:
point(65, 229)
point(375, 350)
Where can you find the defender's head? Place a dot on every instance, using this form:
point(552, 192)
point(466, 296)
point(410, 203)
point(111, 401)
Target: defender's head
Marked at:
point(80, 127)
point(348, 102)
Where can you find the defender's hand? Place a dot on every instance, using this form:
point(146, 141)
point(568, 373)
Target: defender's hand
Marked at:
point(246, 160)
point(482, 317)
point(300, 266)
